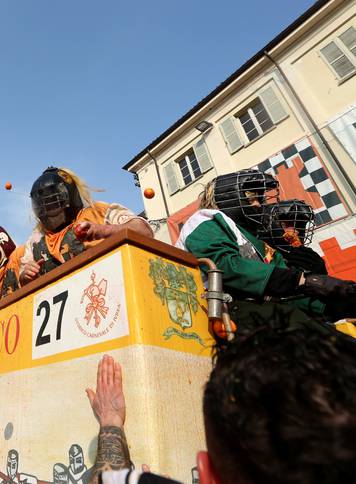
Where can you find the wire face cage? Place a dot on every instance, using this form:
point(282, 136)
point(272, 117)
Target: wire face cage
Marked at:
point(244, 195)
point(289, 223)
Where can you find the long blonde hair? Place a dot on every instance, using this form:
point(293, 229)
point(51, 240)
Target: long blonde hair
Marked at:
point(207, 199)
point(83, 188)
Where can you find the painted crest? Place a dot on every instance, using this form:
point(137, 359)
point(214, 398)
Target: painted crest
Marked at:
point(95, 308)
point(176, 288)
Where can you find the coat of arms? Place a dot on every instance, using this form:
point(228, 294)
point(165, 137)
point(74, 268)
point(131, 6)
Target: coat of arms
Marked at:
point(95, 308)
point(176, 288)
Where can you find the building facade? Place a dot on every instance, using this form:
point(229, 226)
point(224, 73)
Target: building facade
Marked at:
point(291, 111)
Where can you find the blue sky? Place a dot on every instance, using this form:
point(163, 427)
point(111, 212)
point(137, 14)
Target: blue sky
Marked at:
point(88, 83)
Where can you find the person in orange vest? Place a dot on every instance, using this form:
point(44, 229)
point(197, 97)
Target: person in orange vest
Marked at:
point(68, 222)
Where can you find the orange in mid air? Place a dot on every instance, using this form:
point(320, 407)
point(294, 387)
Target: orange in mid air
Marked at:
point(149, 193)
point(8, 185)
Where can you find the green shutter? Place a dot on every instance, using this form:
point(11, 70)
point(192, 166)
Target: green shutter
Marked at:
point(202, 154)
point(230, 134)
point(171, 177)
point(349, 39)
point(273, 105)
point(339, 62)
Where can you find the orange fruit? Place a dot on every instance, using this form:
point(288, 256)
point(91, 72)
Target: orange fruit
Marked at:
point(149, 193)
point(8, 185)
point(220, 330)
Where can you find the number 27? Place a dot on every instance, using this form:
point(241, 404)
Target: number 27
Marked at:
point(43, 339)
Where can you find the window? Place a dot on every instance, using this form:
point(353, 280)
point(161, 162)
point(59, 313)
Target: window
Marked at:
point(192, 164)
point(261, 115)
point(189, 167)
point(255, 121)
point(340, 54)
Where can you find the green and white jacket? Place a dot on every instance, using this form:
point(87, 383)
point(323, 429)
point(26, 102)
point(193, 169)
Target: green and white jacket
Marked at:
point(240, 255)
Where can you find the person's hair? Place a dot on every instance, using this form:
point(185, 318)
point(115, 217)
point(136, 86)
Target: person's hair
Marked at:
point(207, 199)
point(280, 403)
point(83, 188)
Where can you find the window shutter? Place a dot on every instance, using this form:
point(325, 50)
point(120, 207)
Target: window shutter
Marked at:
point(337, 60)
point(273, 105)
point(230, 134)
point(170, 177)
point(349, 39)
point(202, 154)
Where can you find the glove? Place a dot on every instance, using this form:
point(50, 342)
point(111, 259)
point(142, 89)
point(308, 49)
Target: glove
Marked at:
point(282, 282)
point(305, 258)
point(342, 309)
point(324, 286)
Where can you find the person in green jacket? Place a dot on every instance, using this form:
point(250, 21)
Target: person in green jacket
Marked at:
point(226, 230)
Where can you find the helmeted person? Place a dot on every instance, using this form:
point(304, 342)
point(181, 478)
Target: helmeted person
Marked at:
point(69, 221)
point(77, 470)
point(12, 467)
point(225, 229)
point(289, 227)
point(60, 474)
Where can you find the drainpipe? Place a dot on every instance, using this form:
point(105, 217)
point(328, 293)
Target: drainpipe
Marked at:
point(316, 129)
point(160, 181)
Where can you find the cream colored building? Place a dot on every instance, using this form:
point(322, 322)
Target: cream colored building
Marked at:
point(290, 110)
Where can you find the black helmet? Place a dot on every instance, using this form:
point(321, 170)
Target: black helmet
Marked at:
point(55, 199)
point(243, 196)
point(289, 223)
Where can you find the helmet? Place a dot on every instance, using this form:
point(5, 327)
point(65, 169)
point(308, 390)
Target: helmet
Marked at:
point(55, 199)
point(289, 223)
point(60, 474)
point(243, 196)
point(76, 458)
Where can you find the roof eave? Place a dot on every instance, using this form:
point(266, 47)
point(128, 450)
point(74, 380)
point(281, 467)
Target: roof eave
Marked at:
point(318, 5)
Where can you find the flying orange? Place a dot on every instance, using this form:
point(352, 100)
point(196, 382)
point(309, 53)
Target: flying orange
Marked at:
point(149, 193)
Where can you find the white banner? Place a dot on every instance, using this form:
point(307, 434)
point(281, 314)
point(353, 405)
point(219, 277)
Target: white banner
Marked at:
point(84, 309)
point(344, 128)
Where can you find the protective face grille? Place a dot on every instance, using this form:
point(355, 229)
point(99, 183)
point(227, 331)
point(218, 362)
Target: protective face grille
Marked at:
point(243, 195)
point(290, 223)
point(50, 200)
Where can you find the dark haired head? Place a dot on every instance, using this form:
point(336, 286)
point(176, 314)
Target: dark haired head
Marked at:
point(280, 405)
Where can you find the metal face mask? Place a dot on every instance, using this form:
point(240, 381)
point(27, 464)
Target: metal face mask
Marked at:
point(244, 195)
point(289, 223)
point(55, 201)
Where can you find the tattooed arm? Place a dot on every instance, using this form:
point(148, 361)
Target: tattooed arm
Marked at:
point(113, 453)
point(108, 404)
